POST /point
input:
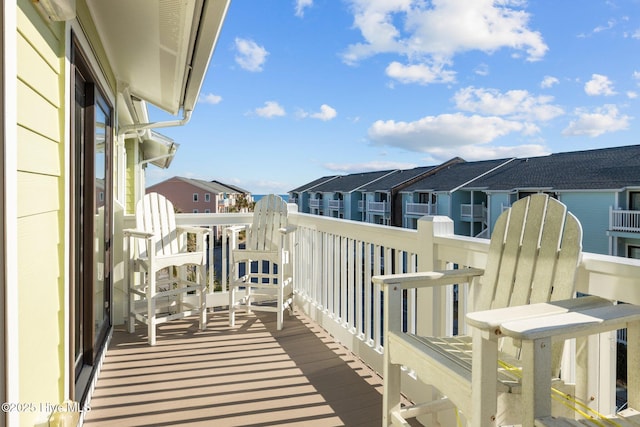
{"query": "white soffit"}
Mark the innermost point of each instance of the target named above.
(160, 49)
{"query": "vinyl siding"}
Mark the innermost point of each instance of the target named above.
(40, 115)
(592, 210)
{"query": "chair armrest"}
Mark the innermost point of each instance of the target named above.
(491, 319)
(573, 324)
(190, 229)
(428, 278)
(132, 232)
(288, 229)
(236, 228)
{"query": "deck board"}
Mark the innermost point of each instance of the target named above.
(250, 375)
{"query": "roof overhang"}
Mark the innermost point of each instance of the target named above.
(160, 49)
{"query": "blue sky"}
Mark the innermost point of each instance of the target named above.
(299, 89)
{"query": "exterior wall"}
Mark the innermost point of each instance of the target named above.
(592, 210)
(495, 203)
(41, 210)
(458, 198)
(43, 252)
(181, 195)
(353, 211)
(40, 207)
(443, 204)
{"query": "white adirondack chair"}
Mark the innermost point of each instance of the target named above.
(533, 256)
(270, 287)
(157, 246)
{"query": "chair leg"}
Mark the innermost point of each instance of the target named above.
(200, 271)
(484, 377)
(151, 309)
(132, 301)
(391, 393)
(280, 304)
(232, 310)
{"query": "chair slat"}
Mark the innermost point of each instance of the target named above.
(510, 254)
(530, 247)
(544, 279)
(488, 281)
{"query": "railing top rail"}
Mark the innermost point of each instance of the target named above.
(603, 275)
(383, 235)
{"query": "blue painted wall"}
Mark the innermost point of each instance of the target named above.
(592, 210)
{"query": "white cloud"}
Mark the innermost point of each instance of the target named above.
(250, 56)
(271, 109)
(636, 34)
(301, 5)
(367, 167)
(599, 85)
(601, 120)
(632, 94)
(326, 113)
(600, 28)
(514, 104)
(636, 76)
(209, 98)
(420, 73)
(482, 70)
(432, 33)
(445, 130)
(548, 81)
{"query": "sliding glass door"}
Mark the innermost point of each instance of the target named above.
(91, 218)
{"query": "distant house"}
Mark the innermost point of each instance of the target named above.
(302, 195)
(339, 197)
(381, 204)
(601, 187)
(199, 196)
(444, 192)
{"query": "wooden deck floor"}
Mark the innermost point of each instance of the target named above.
(250, 375)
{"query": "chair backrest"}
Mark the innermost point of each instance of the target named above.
(533, 256)
(155, 214)
(269, 215)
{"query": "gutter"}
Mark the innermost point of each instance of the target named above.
(137, 128)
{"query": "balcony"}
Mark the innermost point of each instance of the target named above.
(421, 209)
(378, 207)
(624, 221)
(336, 205)
(315, 203)
(473, 213)
(275, 378)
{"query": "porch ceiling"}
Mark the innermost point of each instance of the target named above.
(160, 49)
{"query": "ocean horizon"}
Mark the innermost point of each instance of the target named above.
(257, 197)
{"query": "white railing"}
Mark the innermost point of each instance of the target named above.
(336, 204)
(378, 207)
(624, 220)
(334, 260)
(476, 212)
(314, 203)
(420, 209)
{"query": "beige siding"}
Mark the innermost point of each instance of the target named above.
(38, 154)
(37, 114)
(130, 180)
(41, 115)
